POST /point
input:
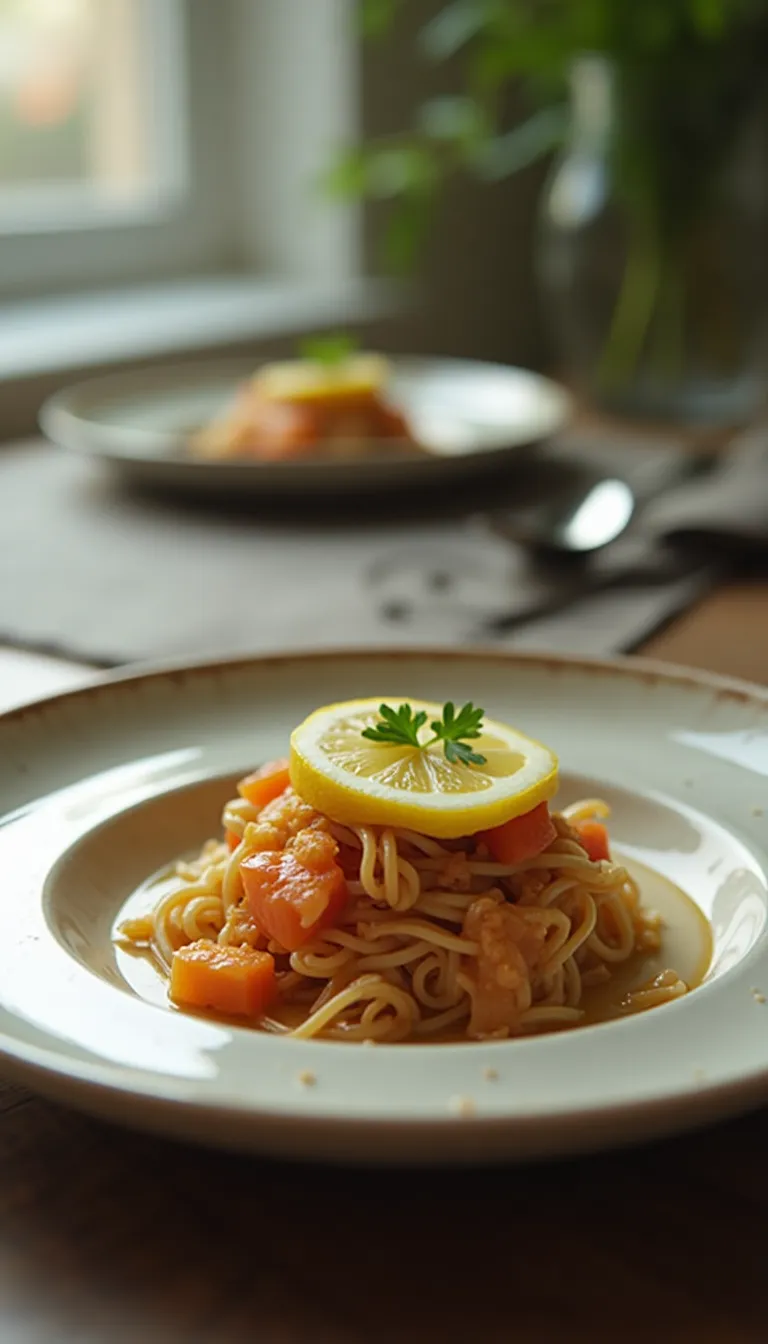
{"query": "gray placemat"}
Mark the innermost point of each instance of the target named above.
(105, 576)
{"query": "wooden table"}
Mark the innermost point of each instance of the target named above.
(112, 1236)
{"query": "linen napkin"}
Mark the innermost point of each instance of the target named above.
(727, 509)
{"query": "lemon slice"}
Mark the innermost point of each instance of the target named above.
(358, 782)
(304, 380)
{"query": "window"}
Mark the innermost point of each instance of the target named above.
(156, 139)
(83, 133)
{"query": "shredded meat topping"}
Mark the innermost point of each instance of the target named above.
(499, 977)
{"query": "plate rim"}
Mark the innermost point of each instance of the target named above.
(633, 666)
(153, 1106)
(685, 1101)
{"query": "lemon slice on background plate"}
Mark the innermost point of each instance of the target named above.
(306, 380)
(358, 782)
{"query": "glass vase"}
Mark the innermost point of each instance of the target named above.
(653, 251)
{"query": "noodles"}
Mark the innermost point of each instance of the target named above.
(432, 938)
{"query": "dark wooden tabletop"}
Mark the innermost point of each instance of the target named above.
(107, 1235)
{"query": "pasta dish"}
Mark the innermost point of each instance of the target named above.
(402, 877)
(309, 408)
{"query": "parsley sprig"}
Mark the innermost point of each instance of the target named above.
(401, 726)
(331, 349)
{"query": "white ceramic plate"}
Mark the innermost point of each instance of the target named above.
(102, 786)
(472, 417)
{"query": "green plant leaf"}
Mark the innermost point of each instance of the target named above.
(710, 17)
(518, 49)
(460, 753)
(377, 17)
(383, 170)
(460, 119)
(453, 727)
(506, 154)
(406, 232)
(400, 726)
(456, 25)
(330, 348)
(348, 176)
(395, 170)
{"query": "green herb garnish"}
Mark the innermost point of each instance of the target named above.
(453, 727)
(401, 727)
(329, 350)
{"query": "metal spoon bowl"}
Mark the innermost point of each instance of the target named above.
(588, 513)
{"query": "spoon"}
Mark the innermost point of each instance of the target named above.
(588, 514)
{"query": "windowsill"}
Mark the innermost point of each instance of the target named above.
(44, 337)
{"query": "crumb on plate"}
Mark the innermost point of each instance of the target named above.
(307, 1078)
(461, 1106)
(757, 811)
(490, 1075)
(699, 1075)
(758, 995)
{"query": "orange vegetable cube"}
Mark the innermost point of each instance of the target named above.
(521, 838)
(593, 835)
(238, 981)
(293, 893)
(265, 784)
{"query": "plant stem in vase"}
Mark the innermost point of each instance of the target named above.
(652, 255)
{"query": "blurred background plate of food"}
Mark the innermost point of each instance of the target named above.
(333, 420)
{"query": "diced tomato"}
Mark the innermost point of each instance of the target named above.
(593, 835)
(389, 423)
(238, 981)
(265, 784)
(279, 431)
(232, 840)
(293, 893)
(522, 837)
